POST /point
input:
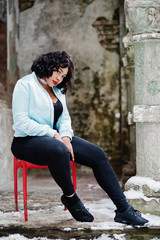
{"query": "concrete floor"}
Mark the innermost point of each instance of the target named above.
(46, 215)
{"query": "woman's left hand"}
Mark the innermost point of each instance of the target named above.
(66, 141)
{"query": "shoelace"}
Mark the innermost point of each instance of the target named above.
(138, 213)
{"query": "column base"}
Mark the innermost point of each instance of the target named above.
(143, 193)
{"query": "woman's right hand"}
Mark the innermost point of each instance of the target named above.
(58, 137)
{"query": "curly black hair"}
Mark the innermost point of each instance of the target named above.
(45, 64)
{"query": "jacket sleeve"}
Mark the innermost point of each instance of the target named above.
(21, 119)
(64, 123)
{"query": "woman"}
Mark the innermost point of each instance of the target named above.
(44, 136)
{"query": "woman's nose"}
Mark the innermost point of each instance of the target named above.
(59, 78)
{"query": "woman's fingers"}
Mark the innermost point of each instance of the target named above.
(66, 141)
(72, 153)
(58, 137)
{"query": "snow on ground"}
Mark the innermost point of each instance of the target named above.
(103, 211)
(154, 220)
(133, 194)
(102, 237)
(140, 181)
(20, 237)
(100, 210)
(107, 237)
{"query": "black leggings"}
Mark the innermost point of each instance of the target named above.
(49, 151)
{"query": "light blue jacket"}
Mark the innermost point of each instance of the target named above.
(33, 110)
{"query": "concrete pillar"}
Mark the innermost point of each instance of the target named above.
(143, 20)
(6, 132)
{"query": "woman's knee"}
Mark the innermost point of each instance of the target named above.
(60, 152)
(100, 157)
(99, 152)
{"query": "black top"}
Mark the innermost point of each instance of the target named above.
(58, 109)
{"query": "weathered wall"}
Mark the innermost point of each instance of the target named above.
(88, 31)
(6, 135)
(9, 39)
(3, 44)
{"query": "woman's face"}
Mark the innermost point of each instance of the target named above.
(57, 77)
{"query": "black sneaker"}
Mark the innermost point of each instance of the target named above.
(131, 217)
(78, 211)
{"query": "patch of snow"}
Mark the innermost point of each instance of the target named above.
(133, 194)
(93, 186)
(107, 237)
(103, 237)
(140, 181)
(119, 236)
(153, 219)
(103, 209)
(80, 228)
(155, 238)
(20, 237)
(108, 226)
(116, 237)
(105, 205)
(67, 229)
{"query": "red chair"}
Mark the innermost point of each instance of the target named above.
(25, 165)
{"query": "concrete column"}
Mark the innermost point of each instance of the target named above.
(143, 20)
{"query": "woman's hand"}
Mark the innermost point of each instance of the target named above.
(58, 137)
(66, 141)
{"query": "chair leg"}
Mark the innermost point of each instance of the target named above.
(25, 191)
(15, 183)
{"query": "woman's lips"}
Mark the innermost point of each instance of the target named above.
(55, 82)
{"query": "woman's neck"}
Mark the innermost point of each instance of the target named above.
(45, 86)
(49, 90)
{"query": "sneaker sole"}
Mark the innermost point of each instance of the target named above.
(146, 225)
(119, 220)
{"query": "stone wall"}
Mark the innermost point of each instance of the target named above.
(6, 135)
(89, 32)
(9, 74)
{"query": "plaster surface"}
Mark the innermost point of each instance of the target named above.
(6, 136)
